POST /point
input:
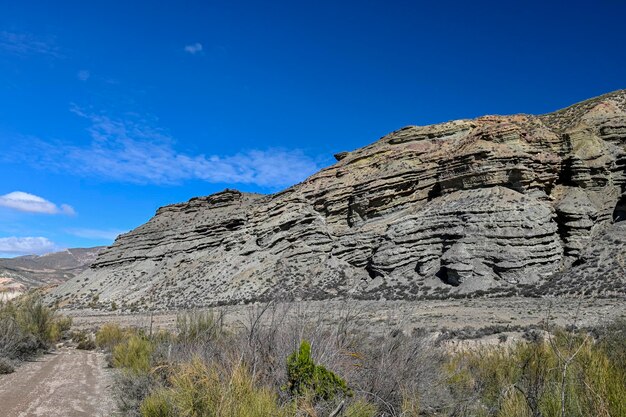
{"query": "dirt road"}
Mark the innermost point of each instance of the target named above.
(67, 383)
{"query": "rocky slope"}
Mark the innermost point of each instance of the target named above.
(22, 273)
(497, 204)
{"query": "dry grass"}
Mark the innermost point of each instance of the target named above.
(203, 369)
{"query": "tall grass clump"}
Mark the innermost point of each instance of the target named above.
(200, 389)
(110, 335)
(28, 326)
(565, 375)
(133, 354)
(196, 326)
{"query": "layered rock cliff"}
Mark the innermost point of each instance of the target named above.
(485, 206)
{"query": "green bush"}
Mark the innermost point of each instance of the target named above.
(198, 389)
(196, 326)
(111, 335)
(133, 355)
(303, 375)
(35, 318)
(157, 404)
(532, 379)
(27, 326)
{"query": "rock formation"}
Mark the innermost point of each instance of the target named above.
(485, 206)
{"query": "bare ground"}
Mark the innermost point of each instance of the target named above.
(66, 383)
(378, 317)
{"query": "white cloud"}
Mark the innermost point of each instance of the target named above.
(97, 234)
(26, 245)
(193, 48)
(21, 201)
(27, 44)
(83, 75)
(134, 151)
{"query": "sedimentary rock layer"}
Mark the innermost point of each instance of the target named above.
(491, 204)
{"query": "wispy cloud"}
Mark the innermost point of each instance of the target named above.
(96, 234)
(133, 150)
(83, 75)
(27, 44)
(194, 48)
(26, 245)
(30, 203)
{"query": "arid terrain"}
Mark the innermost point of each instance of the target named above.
(22, 273)
(515, 205)
(65, 383)
(396, 265)
(491, 316)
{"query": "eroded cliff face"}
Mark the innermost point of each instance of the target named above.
(491, 205)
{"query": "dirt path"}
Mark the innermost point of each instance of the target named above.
(67, 383)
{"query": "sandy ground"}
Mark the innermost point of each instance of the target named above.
(66, 383)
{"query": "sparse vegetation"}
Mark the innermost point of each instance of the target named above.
(27, 327)
(565, 374)
(83, 340)
(298, 367)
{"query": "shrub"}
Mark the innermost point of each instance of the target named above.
(157, 404)
(86, 344)
(133, 355)
(26, 327)
(110, 335)
(34, 317)
(11, 336)
(83, 340)
(60, 326)
(612, 341)
(568, 371)
(198, 389)
(410, 404)
(6, 367)
(304, 375)
(196, 326)
(361, 408)
(130, 389)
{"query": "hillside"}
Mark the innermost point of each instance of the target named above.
(498, 205)
(19, 274)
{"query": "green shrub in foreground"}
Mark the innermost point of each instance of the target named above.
(133, 355)
(157, 404)
(199, 389)
(27, 326)
(303, 375)
(539, 379)
(111, 335)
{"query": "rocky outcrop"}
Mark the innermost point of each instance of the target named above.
(471, 206)
(600, 271)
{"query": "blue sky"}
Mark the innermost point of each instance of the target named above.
(111, 109)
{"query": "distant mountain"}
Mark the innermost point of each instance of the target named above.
(498, 205)
(20, 274)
